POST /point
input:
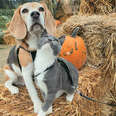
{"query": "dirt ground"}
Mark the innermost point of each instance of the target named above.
(4, 50)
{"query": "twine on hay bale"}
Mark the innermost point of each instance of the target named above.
(89, 84)
(89, 7)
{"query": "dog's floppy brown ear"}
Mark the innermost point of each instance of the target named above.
(17, 27)
(50, 24)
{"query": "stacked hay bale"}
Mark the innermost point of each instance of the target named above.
(8, 38)
(97, 31)
(89, 7)
(99, 34)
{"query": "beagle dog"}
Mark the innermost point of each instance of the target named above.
(29, 22)
(53, 75)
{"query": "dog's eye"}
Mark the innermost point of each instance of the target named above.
(41, 9)
(25, 10)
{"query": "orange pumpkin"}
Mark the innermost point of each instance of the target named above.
(74, 50)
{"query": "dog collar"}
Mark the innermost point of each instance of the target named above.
(45, 70)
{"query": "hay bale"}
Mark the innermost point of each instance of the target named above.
(89, 84)
(8, 38)
(89, 7)
(96, 31)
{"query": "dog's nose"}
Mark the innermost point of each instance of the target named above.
(35, 15)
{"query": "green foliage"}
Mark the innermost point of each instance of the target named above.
(3, 21)
(52, 5)
(5, 12)
(1, 36)
(5, 17)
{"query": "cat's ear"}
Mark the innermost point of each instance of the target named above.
(62, 39)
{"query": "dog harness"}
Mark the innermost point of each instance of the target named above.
(33, 54)
(44, 70)
(63, 64)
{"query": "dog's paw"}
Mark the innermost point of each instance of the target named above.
(49, 110)
(14, 90)
(69, 97)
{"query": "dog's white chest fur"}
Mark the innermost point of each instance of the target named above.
(44, 59)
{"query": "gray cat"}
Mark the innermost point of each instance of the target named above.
(52, 74)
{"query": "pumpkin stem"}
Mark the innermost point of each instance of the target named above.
(74, 33)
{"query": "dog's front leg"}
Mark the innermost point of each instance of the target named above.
(27, 75)
(27, 70)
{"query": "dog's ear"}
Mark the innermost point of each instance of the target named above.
(17, 27)
(50, 24)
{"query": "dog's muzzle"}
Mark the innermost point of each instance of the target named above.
(35, 15)
(36, 24)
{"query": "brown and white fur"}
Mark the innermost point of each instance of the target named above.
(27, 25)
